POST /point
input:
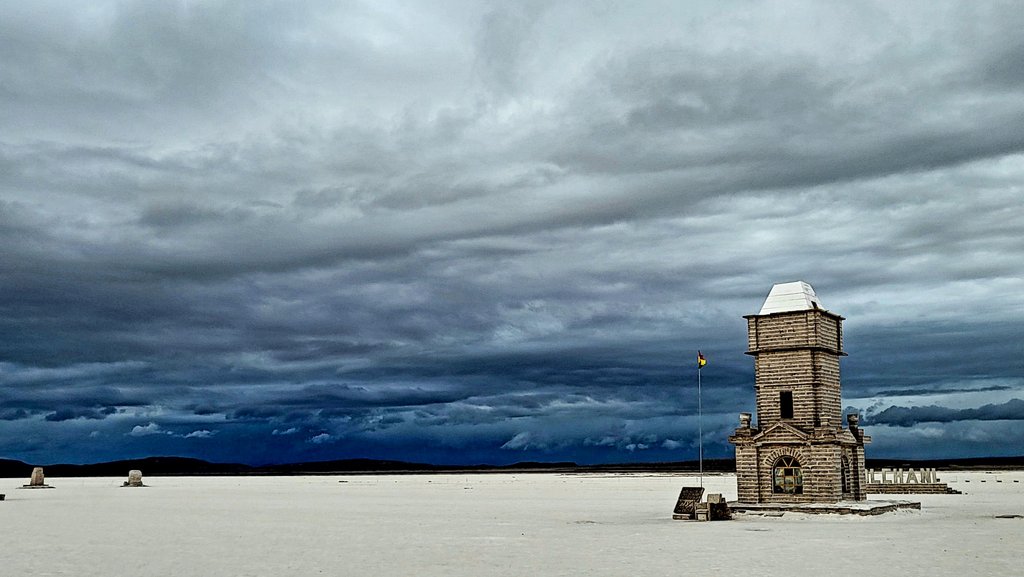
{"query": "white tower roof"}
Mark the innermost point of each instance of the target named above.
(790, 296)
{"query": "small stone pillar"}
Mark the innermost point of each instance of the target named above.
(853, 420)
(744, 420)
(134, 479)
(37, 480)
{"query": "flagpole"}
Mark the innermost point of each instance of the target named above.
(700, 429)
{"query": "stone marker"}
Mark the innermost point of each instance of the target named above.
(687, 502)
(134, 479)
(718, 509)
(37, 480)
(714, 509)
(702, 512)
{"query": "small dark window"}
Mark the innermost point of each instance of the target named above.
(786, 404)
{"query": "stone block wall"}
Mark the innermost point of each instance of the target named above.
(747, 473)
(821, 461)
(817, 476)
(797, 329)
(813, 378)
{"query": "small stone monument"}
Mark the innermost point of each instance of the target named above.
(134, 479)
(689, 506)
(686, 504)
(37, 480)
(718, 509)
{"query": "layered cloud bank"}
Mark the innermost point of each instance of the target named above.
(472, 232)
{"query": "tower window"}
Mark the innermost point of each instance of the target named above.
(787, 476)
(786, 404)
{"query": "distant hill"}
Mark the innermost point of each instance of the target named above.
(182, 466)
(972, 463)
(149, 465)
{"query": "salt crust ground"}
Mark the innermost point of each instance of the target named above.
(475, 525)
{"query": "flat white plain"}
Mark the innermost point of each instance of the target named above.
(493, 524)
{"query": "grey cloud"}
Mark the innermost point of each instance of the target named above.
(321, 439)
(501, 39)
(177, 215)
(147, 430)
(200, 434)
(1002, 67)
(523, 440)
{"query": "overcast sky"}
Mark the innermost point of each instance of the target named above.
(465, 232)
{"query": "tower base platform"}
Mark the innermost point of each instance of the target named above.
(840, 508)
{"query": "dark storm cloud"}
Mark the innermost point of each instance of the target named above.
(8, 414)
(1012, 410)
(939, 388)
(496, 230)
(68, 414)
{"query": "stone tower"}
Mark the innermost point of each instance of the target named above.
(798, 451)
